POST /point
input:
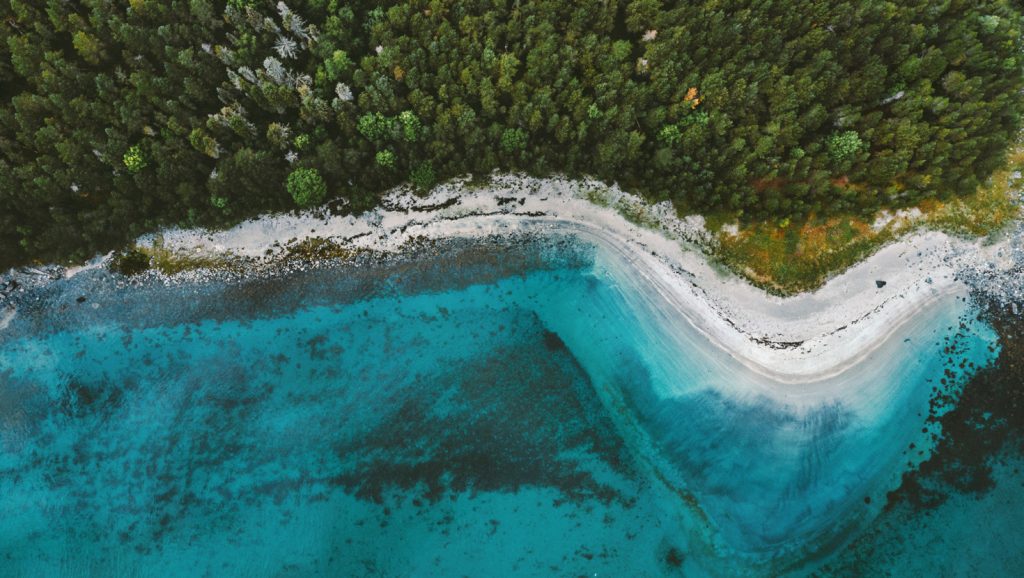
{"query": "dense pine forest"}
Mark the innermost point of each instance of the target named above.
(119, 117)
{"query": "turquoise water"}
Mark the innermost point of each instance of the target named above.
(968, 535)
(463, 415)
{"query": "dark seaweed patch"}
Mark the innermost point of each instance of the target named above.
(979, 423)
(523, 415)
(511, 426)
(674, 558)
(553, 342)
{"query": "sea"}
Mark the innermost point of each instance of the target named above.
(517, 406)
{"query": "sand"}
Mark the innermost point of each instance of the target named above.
(802, 339)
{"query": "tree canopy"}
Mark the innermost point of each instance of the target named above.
(120, 117)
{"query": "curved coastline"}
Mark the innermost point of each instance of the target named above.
(795, 341)
(818, 358)
(715, 357)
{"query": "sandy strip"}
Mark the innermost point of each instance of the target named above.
(96, 263)
(6, 316)
(800, 339)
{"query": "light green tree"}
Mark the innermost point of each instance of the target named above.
(374, 126)
(411, 125)
(87, 46)
(844, 146)
(513, 139)
(134, 159)
(306, 187)
(385, 159)
(670, 134)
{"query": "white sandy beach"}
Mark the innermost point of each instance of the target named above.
(801, 339)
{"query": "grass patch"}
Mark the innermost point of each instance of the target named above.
(318, 249)
(171, 262)
(130, 262)
(715, 222)
(141, 258)
(987, 211)
(637, 212)
(633, 210)
(599, 196)
(801, 257)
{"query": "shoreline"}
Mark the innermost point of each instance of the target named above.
(800, 339)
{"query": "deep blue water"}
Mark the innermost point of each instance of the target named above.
(492, 411)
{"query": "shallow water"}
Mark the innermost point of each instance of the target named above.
(531, 415)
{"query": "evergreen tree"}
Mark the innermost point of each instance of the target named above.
(116, 118)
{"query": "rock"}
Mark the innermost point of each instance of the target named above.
(879, 284)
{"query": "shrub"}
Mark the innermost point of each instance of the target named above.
(374, 126)
(306, 187)
(133, 159)
(337, 64)
(130, 262)
(513, 139)
(411, 125)
(302, 141)
(422, 176)
(844, 146)
(386, 159)
(670, 134)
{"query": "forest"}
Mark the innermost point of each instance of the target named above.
(121, 117)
